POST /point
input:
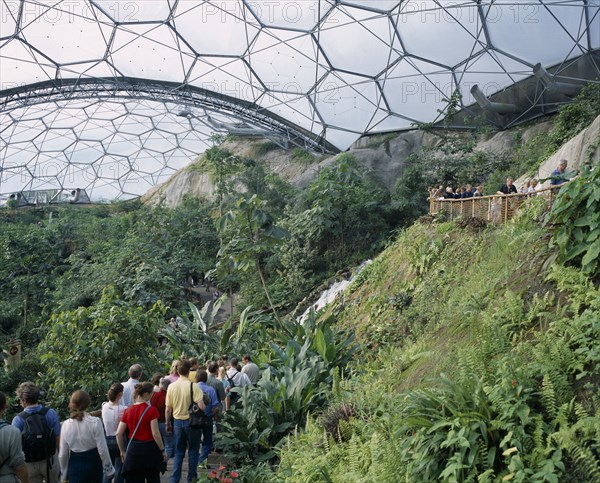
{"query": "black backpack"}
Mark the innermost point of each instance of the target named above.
(39, 440)
(233, 396)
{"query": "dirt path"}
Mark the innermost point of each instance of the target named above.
(205, 296)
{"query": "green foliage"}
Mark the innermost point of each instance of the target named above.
(340, 219)
(265, 147)
(250, 235)
(104, 340)
(378, 139)
(519, 348)
(294, 381)
(576, 211)
(194, 335)
(29, 370)
(575, 116)
(303, 156)
(28, 253)
(269, 187)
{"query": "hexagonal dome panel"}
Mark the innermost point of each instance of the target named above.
(216, 28)
(291, 15)
(66, 32)
(288, 59)
(116, 95)
(356, 40)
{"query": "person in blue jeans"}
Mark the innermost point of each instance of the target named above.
(178, 400)
(211, 412)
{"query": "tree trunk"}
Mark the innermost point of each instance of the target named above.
(264, 285)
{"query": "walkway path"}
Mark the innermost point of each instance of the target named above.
(214, 461)
(204, 296)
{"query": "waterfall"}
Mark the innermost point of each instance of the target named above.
(329, 295)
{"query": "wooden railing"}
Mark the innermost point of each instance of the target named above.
(494, 209)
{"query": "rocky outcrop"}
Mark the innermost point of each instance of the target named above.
(185, 181)
(384, 155)
(583, 148)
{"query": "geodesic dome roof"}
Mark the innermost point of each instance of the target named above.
(92, 91)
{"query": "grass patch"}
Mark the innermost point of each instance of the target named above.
(378, 140)
(264, 148)
(303, 156)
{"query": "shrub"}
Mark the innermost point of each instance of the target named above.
(576, 212)
(90, 348)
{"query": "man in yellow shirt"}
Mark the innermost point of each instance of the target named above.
(177, 404)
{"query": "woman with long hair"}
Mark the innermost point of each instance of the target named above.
(144, 454)
(83, 454)
(173, 375)
(112, 411)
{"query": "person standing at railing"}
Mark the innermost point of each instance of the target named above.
(478, 192)
(534, 186)
(467, 192)
(557, 178)
(449, 194)
(507, 188)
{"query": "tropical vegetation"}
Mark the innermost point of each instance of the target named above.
(463, 352)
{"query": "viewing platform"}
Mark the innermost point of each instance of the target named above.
(494, 209)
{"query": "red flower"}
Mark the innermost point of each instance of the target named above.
(234, 474)
(514, 383)
(221, 468)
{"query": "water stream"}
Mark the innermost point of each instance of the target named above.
(329, 295)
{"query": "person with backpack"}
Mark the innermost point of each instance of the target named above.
(40, 434)
(236, 378)
(12, 461)
(211, 403)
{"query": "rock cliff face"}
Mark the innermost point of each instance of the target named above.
(583, 148)
(385, 155)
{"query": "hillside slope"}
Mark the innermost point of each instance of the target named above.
(480, 363)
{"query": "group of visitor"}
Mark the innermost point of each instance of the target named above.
(531, 187)
(448, 193)
(133, 435)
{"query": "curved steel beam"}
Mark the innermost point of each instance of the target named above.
(165, 92)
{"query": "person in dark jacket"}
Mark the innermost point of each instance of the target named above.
(507, 188)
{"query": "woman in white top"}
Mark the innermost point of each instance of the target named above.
(533, 186)
(112, 411)
(83, 454)
(525, 188)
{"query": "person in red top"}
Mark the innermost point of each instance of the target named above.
(145, 452)
(158, 401)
